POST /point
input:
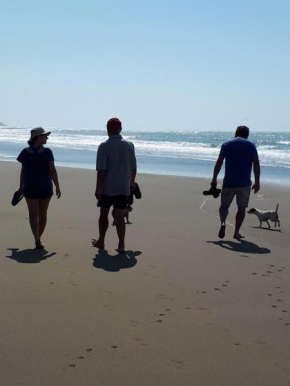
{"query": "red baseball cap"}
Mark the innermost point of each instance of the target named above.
(114, 123)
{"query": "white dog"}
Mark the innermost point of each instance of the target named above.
(265, 215)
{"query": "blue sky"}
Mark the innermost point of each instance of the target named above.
(157, 65)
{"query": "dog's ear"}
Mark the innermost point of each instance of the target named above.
(252, 210)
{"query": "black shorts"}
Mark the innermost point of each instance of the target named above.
(118, 202)
(38, 193)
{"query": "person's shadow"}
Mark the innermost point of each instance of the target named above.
(268, 229)
(243, 246)
(103, 260)
(29, 256)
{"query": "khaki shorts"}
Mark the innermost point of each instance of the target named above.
(242, 196)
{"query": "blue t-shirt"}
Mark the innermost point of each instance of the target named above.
(239, 155)
(36, 168)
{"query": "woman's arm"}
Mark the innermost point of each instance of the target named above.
(21, 185)
(53, 173)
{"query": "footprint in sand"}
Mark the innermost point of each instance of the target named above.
(109, 293)
(163, 297)
(134, 323)
(177, 362)
(72, 283)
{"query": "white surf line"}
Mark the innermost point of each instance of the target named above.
(259, 198)
(212, 214)
(203, 204)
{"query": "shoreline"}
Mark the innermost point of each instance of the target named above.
(263, 182)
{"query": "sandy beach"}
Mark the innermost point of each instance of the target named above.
(181, 308)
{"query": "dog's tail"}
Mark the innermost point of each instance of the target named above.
(277, 207)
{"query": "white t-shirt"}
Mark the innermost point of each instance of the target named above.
(117, 157)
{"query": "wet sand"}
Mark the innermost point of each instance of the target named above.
(180, 308)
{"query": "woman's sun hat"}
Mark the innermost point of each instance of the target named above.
(38, 131)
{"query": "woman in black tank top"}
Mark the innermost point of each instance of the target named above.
(37, 174)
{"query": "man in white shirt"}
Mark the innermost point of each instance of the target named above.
(116, 172)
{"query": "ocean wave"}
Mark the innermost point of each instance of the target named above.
(8, 156)
(283, 142)
(272, 147)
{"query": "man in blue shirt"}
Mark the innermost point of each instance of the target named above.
(240, 155)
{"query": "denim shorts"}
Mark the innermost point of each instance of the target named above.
(38, 193)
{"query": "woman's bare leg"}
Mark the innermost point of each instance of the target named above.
(33, 210)
(43, 206)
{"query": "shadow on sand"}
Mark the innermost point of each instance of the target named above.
(117, 262)
(268, 229)
(241, 246)
(29, 256)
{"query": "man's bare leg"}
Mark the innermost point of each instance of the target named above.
(121, 229)
(103, 227)
(240, 216)
(223, 216)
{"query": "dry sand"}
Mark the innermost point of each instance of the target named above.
(182, 308)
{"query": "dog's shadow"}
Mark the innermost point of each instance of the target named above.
(29, 256)
(114, 263)
(267, 229)
(241, 246)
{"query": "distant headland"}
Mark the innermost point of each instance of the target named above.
(2, 124)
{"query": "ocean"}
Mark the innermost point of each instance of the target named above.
(178, 153)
